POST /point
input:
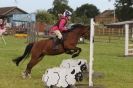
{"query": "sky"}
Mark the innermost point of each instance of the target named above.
(33, 5)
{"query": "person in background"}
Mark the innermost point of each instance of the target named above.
(2, 26)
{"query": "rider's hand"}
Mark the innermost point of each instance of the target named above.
(65, 29)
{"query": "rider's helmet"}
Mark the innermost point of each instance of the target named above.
(67, 13)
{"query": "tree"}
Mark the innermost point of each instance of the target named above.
(56, 2)
(59, 7)
(124, 9)
(86, 11)
(43, 16)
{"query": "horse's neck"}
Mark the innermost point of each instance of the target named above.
(74, 35)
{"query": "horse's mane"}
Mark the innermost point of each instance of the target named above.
(76, 26)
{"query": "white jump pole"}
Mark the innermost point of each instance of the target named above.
(91, 52)
(126, 39)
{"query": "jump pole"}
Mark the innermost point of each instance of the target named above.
(91, 53)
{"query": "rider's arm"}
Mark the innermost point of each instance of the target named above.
(62, 25)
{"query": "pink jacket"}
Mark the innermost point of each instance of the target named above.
(60, 25)
(2, 26)
(2, 29)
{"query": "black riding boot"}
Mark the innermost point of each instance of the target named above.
(57, 41)
(61, 41)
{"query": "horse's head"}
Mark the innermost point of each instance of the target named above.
(81, 30)
(85, 31)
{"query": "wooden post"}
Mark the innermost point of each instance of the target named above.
(132, 33)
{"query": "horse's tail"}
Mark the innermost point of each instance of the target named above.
(25, 54)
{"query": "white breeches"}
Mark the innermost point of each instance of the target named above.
(58, 33)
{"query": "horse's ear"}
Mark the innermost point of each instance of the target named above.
(73, 71)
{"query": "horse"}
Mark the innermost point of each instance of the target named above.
(45, 47)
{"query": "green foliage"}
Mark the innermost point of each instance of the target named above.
(124, 9)
(86, 11)
(59, 9)
(56, 2)
(81, 15)
(43, 16)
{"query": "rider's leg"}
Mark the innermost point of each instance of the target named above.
(59, 35)
(58, 39)
(55, 42)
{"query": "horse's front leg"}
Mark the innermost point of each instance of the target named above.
(77, 51)
(69, 51)
(74, 52)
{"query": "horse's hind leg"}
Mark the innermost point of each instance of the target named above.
(34, 60)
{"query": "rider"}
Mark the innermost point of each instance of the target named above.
(60, 26)
(2, 26)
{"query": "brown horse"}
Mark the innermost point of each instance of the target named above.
(45, 47)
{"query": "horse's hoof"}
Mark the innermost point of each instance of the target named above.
(74, 55)
(26, 75)
(15, 62)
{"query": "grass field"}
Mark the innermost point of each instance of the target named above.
(109, 60)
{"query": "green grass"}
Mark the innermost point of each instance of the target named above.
(109, 60)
